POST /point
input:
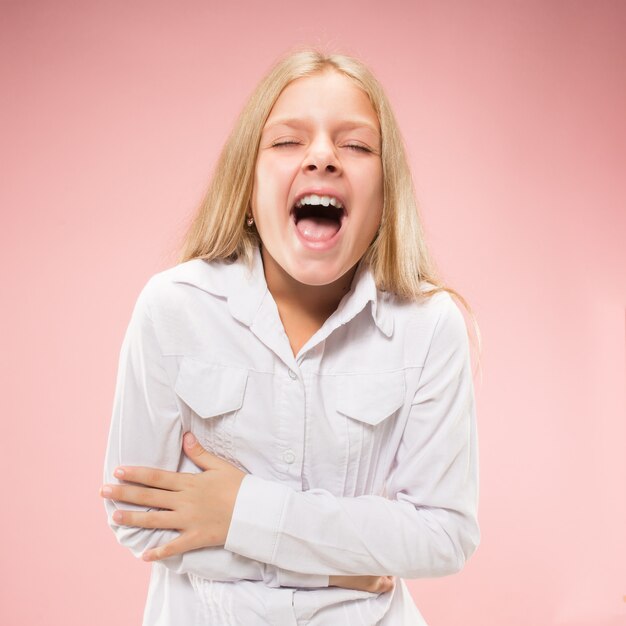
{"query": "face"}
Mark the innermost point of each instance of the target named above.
(322, 138)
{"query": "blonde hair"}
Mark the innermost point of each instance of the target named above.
(398, 256)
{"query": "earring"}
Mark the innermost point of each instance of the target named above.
(250, 220)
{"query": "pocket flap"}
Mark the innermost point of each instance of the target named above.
(210, 389)
(370, 398)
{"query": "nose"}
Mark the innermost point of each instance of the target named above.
(322, 156)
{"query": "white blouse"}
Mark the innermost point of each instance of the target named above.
(361, 451)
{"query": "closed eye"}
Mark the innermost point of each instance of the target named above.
(296, 143)
(285, 143)
(357, 147)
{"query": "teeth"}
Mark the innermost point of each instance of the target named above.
(324, 200)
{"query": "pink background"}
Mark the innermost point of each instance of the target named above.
(113, 114)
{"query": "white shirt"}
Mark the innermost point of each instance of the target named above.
(361, 451)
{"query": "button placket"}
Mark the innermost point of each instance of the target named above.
(289, 455)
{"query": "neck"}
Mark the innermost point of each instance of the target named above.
(313, 302)
(303, 309)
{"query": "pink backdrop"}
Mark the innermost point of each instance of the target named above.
(513, 114)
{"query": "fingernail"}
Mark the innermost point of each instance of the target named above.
(119, 472)
(189, 439)
(106, 490)
(117, 516)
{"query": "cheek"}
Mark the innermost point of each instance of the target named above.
(271, 182)
(374, 184)
(261, 191)
(370, 179)
(374, 201)
(378, 176)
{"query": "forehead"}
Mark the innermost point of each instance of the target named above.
(327, 98)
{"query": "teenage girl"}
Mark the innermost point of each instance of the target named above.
(294, 427)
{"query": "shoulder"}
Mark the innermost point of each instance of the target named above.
(185, 280)
(428, 311)
(435, 318)
(449, 334)
(447, 312)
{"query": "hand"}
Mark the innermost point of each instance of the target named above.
(374, 584)
(199, 505)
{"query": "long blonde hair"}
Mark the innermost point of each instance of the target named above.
(398, 256)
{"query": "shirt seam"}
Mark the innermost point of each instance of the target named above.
(430, 345)
(173, 394)
(278, 529)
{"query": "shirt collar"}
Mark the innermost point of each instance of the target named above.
(363, 291)
(245, 288)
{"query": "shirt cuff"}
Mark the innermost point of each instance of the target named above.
(257, 518)
(255, 526)
(287, 578)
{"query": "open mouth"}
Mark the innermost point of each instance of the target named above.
(316, 222)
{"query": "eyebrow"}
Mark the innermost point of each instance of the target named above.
(295, 122)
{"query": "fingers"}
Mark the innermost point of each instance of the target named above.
(153, 477)
(142, 496)
(177, 546)
(199, 455)
(167, 520)
(372, 584)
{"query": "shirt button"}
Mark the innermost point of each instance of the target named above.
(289, 456)
(292, 375)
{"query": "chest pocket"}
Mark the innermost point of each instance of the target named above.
(215, 394)
(370, 398)
(367, 405)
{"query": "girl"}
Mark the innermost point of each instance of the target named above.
(319, 368)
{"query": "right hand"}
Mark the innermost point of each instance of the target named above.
(373, 584)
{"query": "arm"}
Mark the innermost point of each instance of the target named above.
(146, 430)
(426, 528)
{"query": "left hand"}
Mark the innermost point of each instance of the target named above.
(199, 505)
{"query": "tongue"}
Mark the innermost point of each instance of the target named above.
(317, 228)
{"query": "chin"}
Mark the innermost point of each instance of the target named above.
(317, 276)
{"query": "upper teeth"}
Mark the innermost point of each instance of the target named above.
(315, 199)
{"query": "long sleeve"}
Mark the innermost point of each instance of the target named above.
(426, 526)
(146, 430)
